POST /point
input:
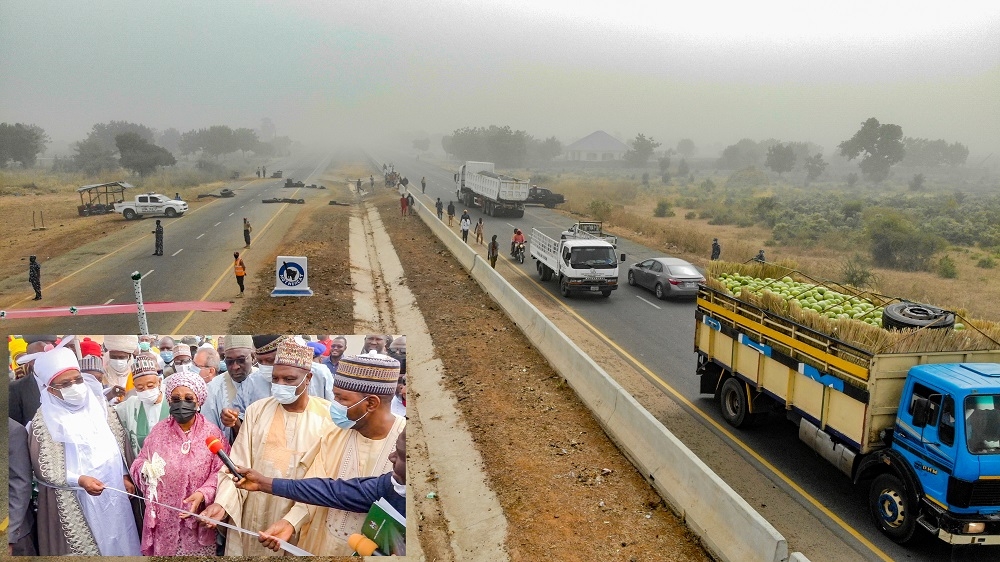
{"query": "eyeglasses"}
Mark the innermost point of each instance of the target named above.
(178, 400)
(178, 361)
(242, 360)
(67, 384)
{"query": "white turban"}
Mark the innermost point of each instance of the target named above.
(125, 343)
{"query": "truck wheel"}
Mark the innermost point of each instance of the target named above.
(170, 212)
(129, 214)
(903, 315)
(735, 403)
(564, 287)
(549, 205)
(605, 294)
(893, 508)
(546, 273)
(519, 214)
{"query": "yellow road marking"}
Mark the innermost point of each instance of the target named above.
(106, 256)
(680, 397)
(3, 526)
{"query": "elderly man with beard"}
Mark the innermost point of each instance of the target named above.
(361, 446)
(231, 393)
(279, 439)
(321, 384)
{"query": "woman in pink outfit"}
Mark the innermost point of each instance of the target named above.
(175, 468)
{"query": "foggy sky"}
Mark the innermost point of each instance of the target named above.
(333, 72)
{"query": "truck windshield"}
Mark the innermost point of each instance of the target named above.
(598, 258)
(982, 421)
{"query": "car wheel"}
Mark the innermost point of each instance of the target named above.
(170, 212)
(129, 214)
(892, 507)
(903, 315)
(735, 403)
(659, 292)
(631, 279)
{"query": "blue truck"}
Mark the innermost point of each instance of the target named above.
(920, 428)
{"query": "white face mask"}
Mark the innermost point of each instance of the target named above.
(149, 396)
(120, 366)
(285, 394)
(266, 370)
(75, 395)
(399, 488)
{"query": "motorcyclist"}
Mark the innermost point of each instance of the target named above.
(518, 238)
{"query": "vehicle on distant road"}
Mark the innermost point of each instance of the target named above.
(541, 196)
(589, 229)
(477, 185)
(666, 277)
(154, 204)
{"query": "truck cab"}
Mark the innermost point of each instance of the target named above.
(947, 441)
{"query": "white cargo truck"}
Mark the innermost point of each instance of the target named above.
(478, 185)
(581, 265)
(154, 204)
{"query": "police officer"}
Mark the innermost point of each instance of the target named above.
(35, 277)
(159, 239)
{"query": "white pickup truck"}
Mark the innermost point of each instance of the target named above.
(592, 229)
(151, 204)
(581, 265)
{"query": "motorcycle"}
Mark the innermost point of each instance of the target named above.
(519, 252)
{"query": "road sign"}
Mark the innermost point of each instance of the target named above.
(291, 277)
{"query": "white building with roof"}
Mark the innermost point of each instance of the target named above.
(596, 147)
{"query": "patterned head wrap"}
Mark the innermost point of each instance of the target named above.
(370, 373)
(182, 349)
(239, 342)
(293, 355)
(190, 380)
(267, 343)
(145, 364)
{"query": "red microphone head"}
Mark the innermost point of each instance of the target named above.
(214, 444)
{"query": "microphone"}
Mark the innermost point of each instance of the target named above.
(215, 446)
(363, 545)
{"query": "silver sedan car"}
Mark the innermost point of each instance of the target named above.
(666, 277)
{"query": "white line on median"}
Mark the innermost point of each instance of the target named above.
(177, 252)
(217, 224)
(109, 301)
(148, 272)
(231, 214)
(647, 302)
(199, 236)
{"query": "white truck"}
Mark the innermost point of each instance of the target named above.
(478, 185)
(151, 204)
(581, 265)
(589, 229)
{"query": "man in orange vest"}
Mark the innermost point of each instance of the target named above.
(240, 269)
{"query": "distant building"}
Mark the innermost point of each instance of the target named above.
(596, 147)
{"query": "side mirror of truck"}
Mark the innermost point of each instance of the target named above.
(921, 411)
(623, 258)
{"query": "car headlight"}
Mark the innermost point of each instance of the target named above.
(973, 528)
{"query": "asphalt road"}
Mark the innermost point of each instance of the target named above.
(660, 335)
(197, 263)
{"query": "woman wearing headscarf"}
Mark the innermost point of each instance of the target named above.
(176, 468)
(77, 449)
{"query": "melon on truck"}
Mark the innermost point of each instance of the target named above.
(914, 413)
(478, 185)
(154, 204)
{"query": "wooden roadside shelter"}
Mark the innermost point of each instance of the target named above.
(101, 197)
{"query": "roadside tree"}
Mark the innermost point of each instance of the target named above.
(815, 166)
(879, 146)
(780, 158)
(140, 155)
(21, 143)
(641, 150)
(686, 148)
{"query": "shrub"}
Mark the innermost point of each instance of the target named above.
(645, 178)
(747, 178)
(857, 271)
(665, 178)
(663, 209)
(946, 268)
(986, 263)
(690, 215)
(601, 209)
(708, 185)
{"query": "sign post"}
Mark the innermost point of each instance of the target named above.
(291, 277)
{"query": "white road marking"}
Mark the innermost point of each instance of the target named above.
(199, 236)
(148, 272)
(109, 301)
(217, 224)
(647, 302)
(231, 214)
(177, 252)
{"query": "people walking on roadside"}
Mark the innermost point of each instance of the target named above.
(493, 251)
(240, 269)
(465, 223)
(258, 172)
(158, 249)
(479, 231)
(716, 249)
(371, 182)
(451, 212)
(247, 229)
(403, 204)
(411, 204)
(423, 184)
(263, 172)
(35, 275)
(440, 208)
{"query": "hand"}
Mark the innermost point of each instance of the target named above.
(214, 511)
(252, 481)
(92, 485)
(230, 417)
(191, 503)
(129, 486)
(281, 530)
(117, 392)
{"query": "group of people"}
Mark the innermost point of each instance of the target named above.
(262, 171)
(115, 433)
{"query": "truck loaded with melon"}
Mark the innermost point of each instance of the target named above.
(896, 395)
(478, 185)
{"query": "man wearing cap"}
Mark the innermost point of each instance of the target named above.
(321, 384)
(141, 412)
(77, 447)
(360, 446)
(231, 393)
(121, 350)
(279, 439)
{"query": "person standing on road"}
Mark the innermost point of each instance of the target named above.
(371, 182)
(479, 231)
(258, 172)
(423, 184)
(716, 249)
(440, 208)
(247, 229)
(35, 275)
(158, 250)
(493, 252)
(402, 205)
(358, 185)
(465, 224)
(451, 212)
(240, 269)
(263, 172)
(411, 204)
